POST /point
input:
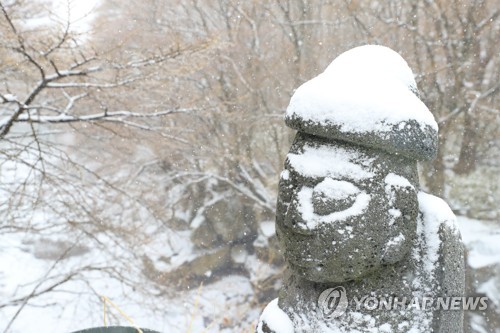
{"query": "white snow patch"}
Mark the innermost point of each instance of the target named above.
(482, 239)
(478, 323)
(435, 212)
(275, 318)
(395, 213)
(373, 59)
(268, 228)
(394, 182)
(385, 328)
(396, 241)
(305, 207)
(490, 289)
(372, 82)
(397, 181)
(336, 189)
(10, 98)
(260, 241)
(334, 162)
(76, 305)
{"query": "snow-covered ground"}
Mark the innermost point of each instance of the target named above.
(53, 274)
(482, 239)
(74, 305)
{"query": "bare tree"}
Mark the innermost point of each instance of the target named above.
(451, 44)
(70, 112)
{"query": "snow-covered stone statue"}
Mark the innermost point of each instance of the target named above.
(366, 250)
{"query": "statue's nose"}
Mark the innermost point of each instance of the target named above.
(332, 196)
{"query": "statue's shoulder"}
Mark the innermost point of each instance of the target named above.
(443, 256)
(437, 227)
(436, 215)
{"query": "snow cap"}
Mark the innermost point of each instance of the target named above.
(367, 96)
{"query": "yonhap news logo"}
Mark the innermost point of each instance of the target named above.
(333, 303)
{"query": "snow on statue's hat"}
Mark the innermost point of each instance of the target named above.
(367, 96)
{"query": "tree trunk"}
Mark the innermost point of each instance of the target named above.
(434, 171)
(468, 150)
(435, 175)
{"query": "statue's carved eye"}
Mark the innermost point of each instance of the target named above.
(329, 201)
(331, 196)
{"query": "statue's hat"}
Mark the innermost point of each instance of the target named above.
(367, 96)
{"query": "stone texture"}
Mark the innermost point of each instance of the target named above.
(350, 213)
(352, 247)
(408, 138)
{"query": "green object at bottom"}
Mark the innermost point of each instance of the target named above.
(115, 329)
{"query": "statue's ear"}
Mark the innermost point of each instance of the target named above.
(402, 197)
(406, 202)
(403, 212)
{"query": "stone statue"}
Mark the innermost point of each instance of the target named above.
(366, 250)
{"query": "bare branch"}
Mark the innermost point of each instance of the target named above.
(91, 85)
(118, 116)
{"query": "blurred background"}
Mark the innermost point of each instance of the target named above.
(141, 144)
